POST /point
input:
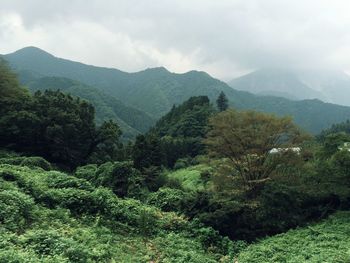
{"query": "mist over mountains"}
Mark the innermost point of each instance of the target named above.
(137, 100)
(326, 85)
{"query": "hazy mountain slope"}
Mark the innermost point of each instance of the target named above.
(132, 121)
(335, 85)
(276, 82)
(326, 85)
(154, 91)
(39, 61)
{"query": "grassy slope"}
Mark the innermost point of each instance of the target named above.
(58, 230)
(190, 177)
(328, 241)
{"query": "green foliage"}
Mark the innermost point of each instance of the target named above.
(155, 91)
(121, 177)
(86, 172)
(31, 161)
(106, 145)
(132, 121)
(343, 127)
(332, 142)
(16, 210)
(179, 133)
(169, 199)
(245, 139)
(53, 125)
(328, 241)
(147, 152)
(11, 94)
(65, 219)
(189, 119)
(189, 178)
(222, 102)
(36, 162)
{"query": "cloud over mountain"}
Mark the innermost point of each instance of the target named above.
(225, 38)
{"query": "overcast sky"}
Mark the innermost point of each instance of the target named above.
(224, 38)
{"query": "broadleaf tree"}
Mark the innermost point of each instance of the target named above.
(245, 139)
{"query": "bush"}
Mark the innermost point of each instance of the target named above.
(78, 201)
(121, 177)
(33, 162)
(181, 163)
(86, 172)
(46, 242)
(60, 180)
(12, 160)
(30, 162)
(16, 209)
(169, 199)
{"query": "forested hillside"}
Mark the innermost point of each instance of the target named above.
(202, 185)
(131, 120)
(155, 91)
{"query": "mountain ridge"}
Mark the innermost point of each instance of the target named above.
(327, 85)
(154, 91)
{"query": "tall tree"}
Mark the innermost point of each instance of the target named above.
(222, 102)
(147, 152)
(245, 140)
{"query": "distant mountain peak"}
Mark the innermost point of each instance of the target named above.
(156, 69)
(31, 50)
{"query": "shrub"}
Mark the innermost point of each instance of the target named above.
(46, 242)
(12, 160)
(181, 163)
(78, 201)
(121, 177)
(169, 199)
(57, 180)
(86, 172)
(33, 162)
(16, 209)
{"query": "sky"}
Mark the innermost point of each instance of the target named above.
(225, 38)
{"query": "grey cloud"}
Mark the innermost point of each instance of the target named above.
(223, 37)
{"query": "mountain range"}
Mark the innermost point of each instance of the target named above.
(137, 100)
(327, 85)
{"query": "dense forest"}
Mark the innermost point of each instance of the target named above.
(206, 183)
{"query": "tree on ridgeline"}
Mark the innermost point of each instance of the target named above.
(222, 102)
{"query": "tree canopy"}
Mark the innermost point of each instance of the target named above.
(246, 138)
(52, 124)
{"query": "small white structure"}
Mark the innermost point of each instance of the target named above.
(346, 147)
(296, 150)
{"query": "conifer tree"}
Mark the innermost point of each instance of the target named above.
(222, 102)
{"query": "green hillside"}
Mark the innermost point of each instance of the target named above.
(50, 216)
(154, 91)
(131, 120)
(328, 241)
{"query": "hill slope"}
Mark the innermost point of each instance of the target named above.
(328, 241)
(154, 91)
(131, 120)
(49, 216)
(281, 83)
(326, 85)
